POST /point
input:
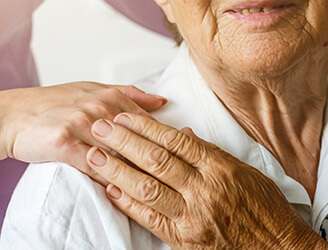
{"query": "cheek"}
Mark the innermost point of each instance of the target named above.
(195, 18)
(318, 20)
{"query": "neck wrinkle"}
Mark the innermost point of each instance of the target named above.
(283, 113)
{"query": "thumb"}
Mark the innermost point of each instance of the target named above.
(148, 102)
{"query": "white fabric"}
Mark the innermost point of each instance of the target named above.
(56, 207)
(75, 40)
(88, 40)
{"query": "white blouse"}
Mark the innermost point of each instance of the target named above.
(55, 206)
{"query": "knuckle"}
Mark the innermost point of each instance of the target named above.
(150, 191)
(229, 165)
(80, 119)
(95, 105)
(131, 88)
(233, 171)
(99, 108)
(172, 139)
(120, 141)
(62, 137)
(158, 160)
(114, 93)
(132, 205)
(144, 124)
(114, 171)
(204, 156)
(152, 219)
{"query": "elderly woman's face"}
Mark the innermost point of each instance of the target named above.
(253, 36)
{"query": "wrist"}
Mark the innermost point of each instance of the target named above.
(6, 109)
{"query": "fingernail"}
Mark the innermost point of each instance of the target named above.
(98, 158)
(114, 192)
(163, 99)
(123, 120)
(102, 128)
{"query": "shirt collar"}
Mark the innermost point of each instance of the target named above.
(320, 204)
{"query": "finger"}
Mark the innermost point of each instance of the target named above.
(146, 101)
(147, 155)
(158, 224)
(175, 141)
(140, 186)
(75, 156)
(79, 126)
(111, 101)
(117, 102)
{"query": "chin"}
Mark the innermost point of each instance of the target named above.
(266, 59)
(258, 67)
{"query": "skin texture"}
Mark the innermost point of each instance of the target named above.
(177, 201)
(272, 78)
(54, 123)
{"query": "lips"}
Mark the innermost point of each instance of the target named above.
(254, 8)
(246, 11)
(261, 14)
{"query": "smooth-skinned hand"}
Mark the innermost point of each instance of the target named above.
(190, 193)
(54, 123)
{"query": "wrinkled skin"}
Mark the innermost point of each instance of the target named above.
(271, 76)
(196, 196)
(216, 39)
(54, 123)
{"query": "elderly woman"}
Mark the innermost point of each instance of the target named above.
(251, 77)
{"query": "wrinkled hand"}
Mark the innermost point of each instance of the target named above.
(195, 196)
(54, 123)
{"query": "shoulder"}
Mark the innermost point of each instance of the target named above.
(57, 207)
(44, 207)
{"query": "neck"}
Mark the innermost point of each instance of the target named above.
(284, 113)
